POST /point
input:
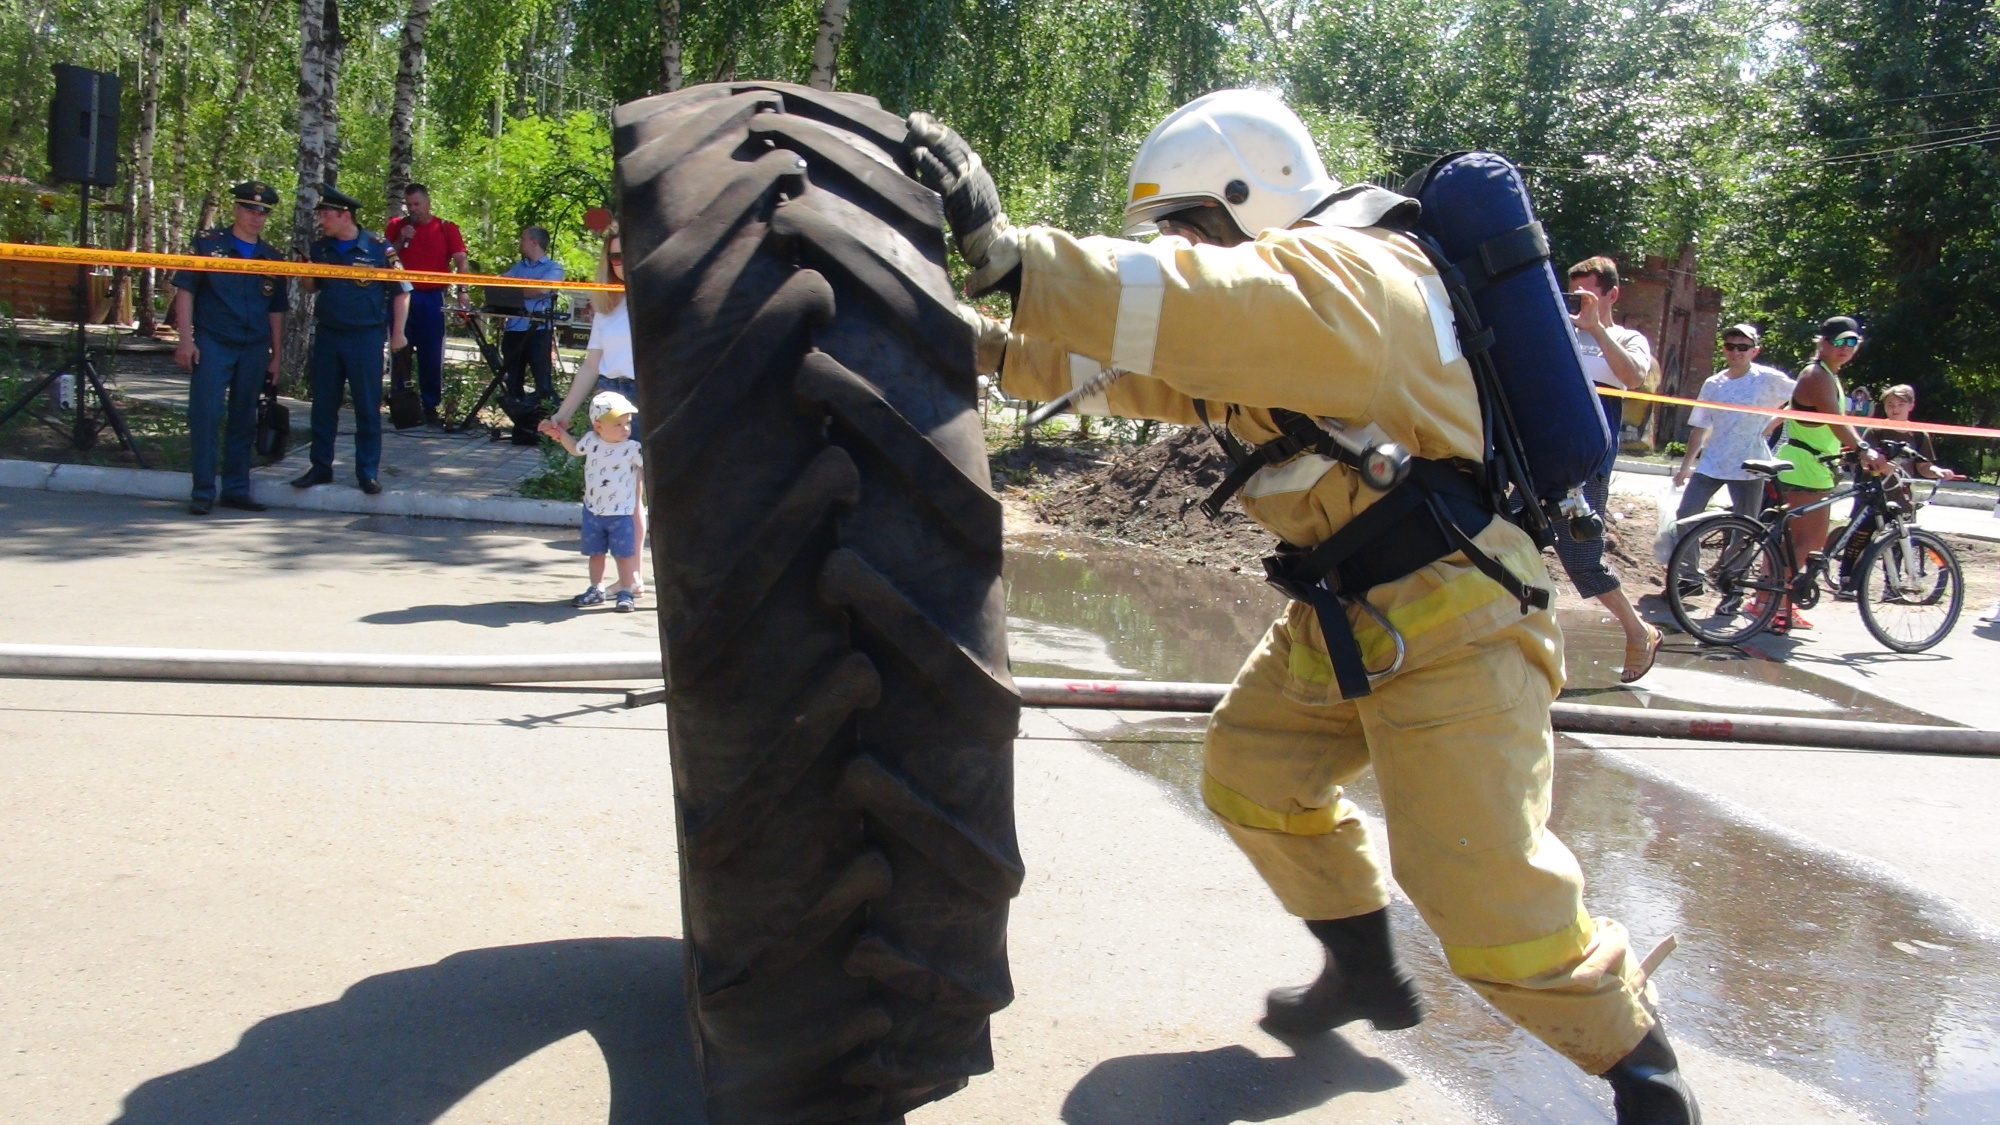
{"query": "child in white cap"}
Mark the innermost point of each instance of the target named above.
(611, 464)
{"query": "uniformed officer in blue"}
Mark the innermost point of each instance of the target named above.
(231, 328)
(347, 343)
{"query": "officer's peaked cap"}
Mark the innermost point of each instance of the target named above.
(255, 193)
(333, 199)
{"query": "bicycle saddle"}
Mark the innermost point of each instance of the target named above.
(1770, 468)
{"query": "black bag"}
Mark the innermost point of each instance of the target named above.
(406, 406)
(274, 425)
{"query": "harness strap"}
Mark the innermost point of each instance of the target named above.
(1298, 434)
(1233, 449)
(1503, 254)
(1411, 527)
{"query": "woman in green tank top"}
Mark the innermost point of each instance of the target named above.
(1808, 480)
(1804, 444)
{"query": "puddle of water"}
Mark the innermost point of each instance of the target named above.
(1171, 622)
(1690, 677)
(1037, 644)
(1790, 958)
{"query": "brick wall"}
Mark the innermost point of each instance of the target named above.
(1679, 318)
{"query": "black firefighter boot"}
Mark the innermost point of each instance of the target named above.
(1362, 980)
(1647, 1088)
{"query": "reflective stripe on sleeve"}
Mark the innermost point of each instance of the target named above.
(1082, 369)
(1141, 291)
(1296, 475)
(1524, 960)
(1237, 809)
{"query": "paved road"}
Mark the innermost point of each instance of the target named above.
(234, 903)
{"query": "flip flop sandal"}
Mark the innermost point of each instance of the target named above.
(1643, 660)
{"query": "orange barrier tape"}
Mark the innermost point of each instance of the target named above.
(1855, 420)
(92, 256)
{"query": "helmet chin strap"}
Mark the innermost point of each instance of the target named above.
(1211, 222)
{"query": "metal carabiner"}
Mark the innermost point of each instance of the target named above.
(1395, 635)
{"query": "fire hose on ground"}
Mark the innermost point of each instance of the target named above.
(392, 670)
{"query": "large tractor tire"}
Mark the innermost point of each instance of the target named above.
(827, 553)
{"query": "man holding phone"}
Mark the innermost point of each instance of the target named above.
(1613, 356)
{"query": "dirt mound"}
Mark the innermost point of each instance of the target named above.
(1151, 495)
(1145, 494)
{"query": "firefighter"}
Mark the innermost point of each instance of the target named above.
(1282, 308)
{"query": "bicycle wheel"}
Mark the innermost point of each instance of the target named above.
(1724, 581)
(1911, 589)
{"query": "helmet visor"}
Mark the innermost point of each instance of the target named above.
(1142, 215)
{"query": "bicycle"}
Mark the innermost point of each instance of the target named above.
(1729, 575)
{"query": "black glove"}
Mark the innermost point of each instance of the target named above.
(944, 163)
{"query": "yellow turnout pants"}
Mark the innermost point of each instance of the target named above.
(1462, 751)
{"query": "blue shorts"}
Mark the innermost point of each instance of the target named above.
(609, 535)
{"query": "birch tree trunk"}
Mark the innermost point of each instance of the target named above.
(151, 49)
(177, 211)
(403, 112)
(246, 68)
(336, 50)
(826, 48)
(670, 44)
(313, 80)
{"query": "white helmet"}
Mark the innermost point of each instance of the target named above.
(1242, 148)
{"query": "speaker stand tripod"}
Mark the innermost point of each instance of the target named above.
(84, 432)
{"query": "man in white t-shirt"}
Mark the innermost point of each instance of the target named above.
(1618, 357)
(1719, 441)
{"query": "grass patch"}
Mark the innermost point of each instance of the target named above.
(42, 432)
(560, 476)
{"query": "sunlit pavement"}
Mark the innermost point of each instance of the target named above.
(258, 902)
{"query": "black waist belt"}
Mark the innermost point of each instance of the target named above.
(1433, 514)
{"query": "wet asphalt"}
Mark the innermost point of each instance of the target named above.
(1793, 956)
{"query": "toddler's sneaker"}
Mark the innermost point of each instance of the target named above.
(626, 602)
(592, 596)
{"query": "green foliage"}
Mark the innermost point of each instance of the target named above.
(1823, 155)
(540, 170)
(1676, 449)
(560, 476)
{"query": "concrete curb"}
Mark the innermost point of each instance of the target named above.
(154, 484)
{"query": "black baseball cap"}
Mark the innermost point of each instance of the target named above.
(1838, 326)
(255, 194)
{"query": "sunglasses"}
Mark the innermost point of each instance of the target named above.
(1848, 341)
(1737, 346)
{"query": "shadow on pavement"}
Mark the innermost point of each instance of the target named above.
(493, 615)
(406, 1046)
(1227, 1084)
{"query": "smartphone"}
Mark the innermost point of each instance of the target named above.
(1574, 302)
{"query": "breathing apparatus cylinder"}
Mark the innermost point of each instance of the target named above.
(1476, 209)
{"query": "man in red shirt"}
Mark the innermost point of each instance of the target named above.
(426, 242)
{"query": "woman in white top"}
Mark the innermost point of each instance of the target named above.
(607, 366)
(607, 359)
